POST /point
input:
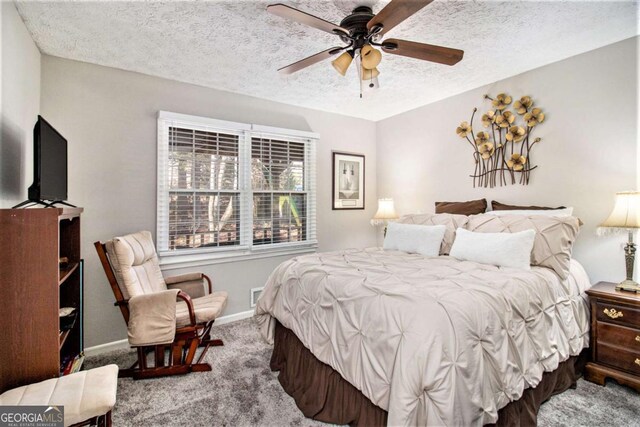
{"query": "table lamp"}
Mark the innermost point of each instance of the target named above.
(385, 212)
(626, 216)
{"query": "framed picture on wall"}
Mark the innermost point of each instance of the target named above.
(348, 181)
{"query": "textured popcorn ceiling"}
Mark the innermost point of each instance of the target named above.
(237, 46)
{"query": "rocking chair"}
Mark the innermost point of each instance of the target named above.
(174, 313)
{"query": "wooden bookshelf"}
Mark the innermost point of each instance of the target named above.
(63, 337)
(66, 272)
(33, 290)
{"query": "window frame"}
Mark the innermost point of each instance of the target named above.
(246, 249)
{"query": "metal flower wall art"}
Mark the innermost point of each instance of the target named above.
(502, 151)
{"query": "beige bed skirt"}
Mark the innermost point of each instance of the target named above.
(322, 394)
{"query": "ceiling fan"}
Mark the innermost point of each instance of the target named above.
(362, 30)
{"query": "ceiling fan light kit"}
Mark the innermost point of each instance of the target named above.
(368, 78)
(369, 74)
(362, 31)
(342, 62)
(370, 57)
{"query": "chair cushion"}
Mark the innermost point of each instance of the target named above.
(84, 395)
(207, 308)
(185, 277)
(134, 260)
(191, 283)
(152, 318)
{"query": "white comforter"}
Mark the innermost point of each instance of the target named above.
(434, 341)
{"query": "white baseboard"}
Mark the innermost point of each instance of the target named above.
(233, 317)
(106, 348)
(121, 344)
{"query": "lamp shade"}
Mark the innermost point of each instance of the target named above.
(626, 212)
(370, 57)
(386, 210)
(342, 62)
(369, 74)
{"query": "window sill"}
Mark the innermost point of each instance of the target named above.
(170, 261)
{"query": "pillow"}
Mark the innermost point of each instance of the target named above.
(529, 212)
(501, 249)
(497, 206)
(472, 207)
(422, 239)
(450, 221)
(554, 236)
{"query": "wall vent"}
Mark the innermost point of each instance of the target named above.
(255, 294)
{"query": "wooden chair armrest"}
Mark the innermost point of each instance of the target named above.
(205, 277)
(187, 299)
(123, 302)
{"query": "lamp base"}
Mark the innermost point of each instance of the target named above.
(628, 286)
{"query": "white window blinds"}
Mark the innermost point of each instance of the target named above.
(281, 182)
(232, 186)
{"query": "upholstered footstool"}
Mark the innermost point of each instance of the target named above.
(87, 396)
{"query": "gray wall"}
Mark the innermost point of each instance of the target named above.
(109, 117)
(588, 150)
(19, 107)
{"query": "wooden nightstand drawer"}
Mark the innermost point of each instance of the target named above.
(621, 336)
(615, 335)
(619, 358)
(617, 313)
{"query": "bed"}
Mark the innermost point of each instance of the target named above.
(426, 340)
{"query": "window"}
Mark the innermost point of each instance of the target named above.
(226, 186)
(279, 196)
(203, 189)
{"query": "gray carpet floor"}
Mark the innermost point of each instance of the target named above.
(241, 390)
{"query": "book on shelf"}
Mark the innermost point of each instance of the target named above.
(65, 366)
(71, 365)
(77, 363)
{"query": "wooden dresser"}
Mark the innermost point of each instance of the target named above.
(615, 336)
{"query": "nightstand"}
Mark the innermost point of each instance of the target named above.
(615, 336)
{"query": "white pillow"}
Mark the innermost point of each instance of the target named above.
(501, 249)
(422, 239)
(529, 212)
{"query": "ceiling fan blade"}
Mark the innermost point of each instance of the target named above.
(395, 12)
(287, 12)
(426, 52)
(313, 59)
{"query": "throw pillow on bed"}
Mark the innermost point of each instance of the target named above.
(497, 206)
(554, 236)
(450, 221)
(541, 212)
(471, 207)
(421, 239)
(501, 249)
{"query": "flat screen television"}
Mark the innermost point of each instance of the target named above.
(49, 164)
